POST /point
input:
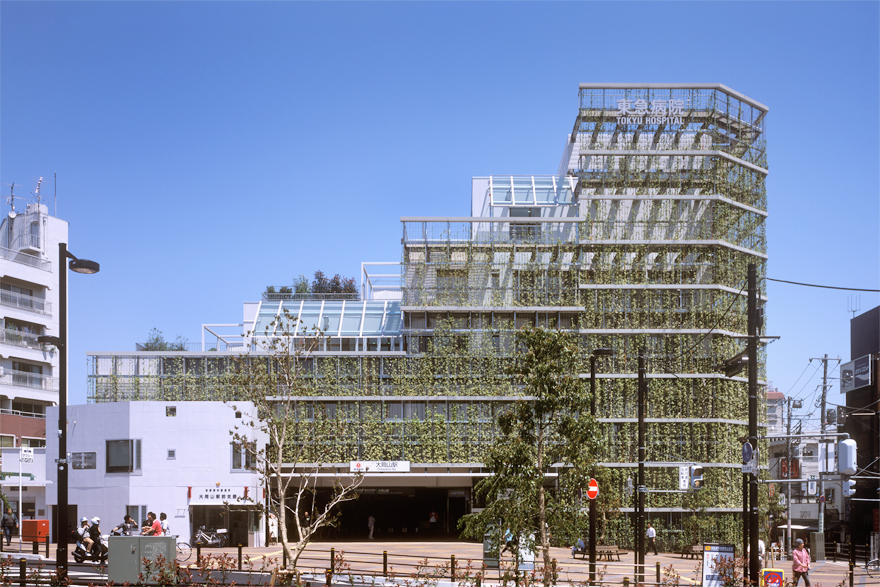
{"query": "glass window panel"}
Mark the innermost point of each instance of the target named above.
(501, 193)
(266, 315)
(148, 365)
(351, 321)
(332, 315)
(309, 318)
(544, 190)
(289, 309)
(373, 318)
(522, 190)
(392, 322)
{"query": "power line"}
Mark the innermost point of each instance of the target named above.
(822, 286)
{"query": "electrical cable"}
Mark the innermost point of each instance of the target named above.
(822, 286)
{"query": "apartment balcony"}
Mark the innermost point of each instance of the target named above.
(29, 380)
(25, 259)
(21, 339)
(25, 302)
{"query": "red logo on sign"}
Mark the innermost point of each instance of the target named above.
(593, 489)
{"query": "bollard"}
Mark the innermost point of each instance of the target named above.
(22, 572)
(626, 582)
(35, 547)
(329, 574)
(452, 566)
(332, 560)
(384, 563)
(239, 556)
(850, 575)
(47, 547)
(657, 569)
(834, 552)
(198, 554)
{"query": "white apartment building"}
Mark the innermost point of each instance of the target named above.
(29, 308)
(164, 456)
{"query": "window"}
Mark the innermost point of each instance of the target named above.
(33, 442)
(172, 454)
(170, 411)
(7, 441)
(241, 457)
(123, 456)
(138, 513)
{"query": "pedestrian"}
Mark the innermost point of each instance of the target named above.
(651, 533)
(163, 521)
(10, 525)
(273, 528)
(800, 564)
(371, 524)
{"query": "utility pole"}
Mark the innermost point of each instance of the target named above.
(788, 485)
(823, 418)
(754, 562)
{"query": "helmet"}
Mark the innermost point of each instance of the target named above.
(96, 520)
(84, 519)
(798, 541)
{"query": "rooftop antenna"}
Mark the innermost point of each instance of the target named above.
(11, 198)
(37, 192)
(854, 304)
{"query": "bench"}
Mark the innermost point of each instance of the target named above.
(695, 551)
(602, 552)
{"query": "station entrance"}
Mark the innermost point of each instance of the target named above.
(400, 513)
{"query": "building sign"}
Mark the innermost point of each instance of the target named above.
(27, 454)
(657, 112)
(84, 460)
(220, 495)
(378, 466)
(855, 374)
(712, 555)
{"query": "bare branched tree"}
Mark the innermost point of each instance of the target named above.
(301, 435)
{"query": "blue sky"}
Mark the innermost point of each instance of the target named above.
(205, 150)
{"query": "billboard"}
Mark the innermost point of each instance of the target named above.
(855, 374)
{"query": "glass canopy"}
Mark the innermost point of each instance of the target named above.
(531, 190)
(334, 317)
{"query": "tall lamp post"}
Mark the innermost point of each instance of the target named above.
(60, 342)
(603, 352)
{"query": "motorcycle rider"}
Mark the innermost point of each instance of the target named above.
(83, 533)
(95, 535)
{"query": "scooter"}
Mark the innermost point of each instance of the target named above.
(98, 553)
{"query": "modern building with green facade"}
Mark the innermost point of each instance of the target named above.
(639, 242)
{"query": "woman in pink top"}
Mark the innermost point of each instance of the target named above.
(800, 563)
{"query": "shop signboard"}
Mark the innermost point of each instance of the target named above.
(220, 495)
(855, 374)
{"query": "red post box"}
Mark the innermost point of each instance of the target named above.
(34, 530)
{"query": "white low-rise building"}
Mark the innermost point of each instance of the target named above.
(171, 457)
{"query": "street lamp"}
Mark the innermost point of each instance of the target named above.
(602, 352)
(60, 342)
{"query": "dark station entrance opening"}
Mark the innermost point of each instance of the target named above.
(401, 514)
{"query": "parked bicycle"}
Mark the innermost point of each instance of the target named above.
(872, 567)
(184, 550)
(216, 538)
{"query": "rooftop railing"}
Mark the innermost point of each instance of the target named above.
(276, 296)
(8, 412)
(507, 230)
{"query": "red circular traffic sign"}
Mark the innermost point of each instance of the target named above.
(593, 489)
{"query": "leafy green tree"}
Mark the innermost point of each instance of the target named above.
(548, 431)
(156, 342)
